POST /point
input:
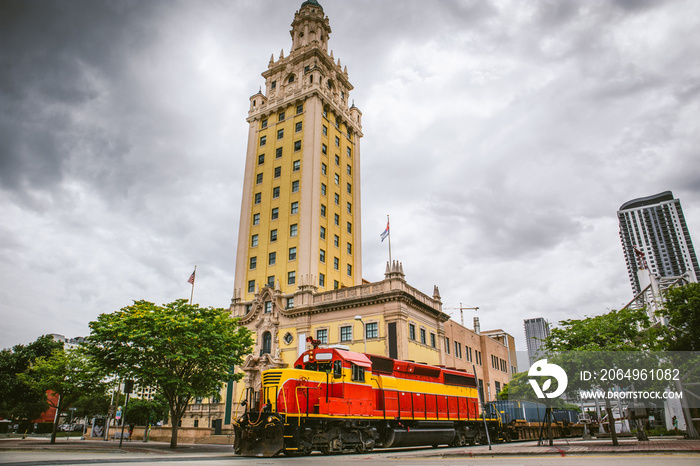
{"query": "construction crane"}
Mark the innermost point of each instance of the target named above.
(461, 311)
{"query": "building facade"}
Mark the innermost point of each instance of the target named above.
(536, 330)
(299, 255)
(300, 212)
(655, 238)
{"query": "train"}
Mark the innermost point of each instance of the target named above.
(335, 400)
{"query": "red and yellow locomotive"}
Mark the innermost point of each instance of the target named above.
(335, 400)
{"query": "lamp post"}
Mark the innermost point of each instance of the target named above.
(364, 331)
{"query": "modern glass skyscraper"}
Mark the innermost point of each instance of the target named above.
(655, 237)
(536, 330)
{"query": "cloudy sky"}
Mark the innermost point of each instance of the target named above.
(501, 137)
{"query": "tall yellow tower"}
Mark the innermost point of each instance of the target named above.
(300, 212)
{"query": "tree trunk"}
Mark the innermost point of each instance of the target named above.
(611, 421)
(173, 431)
(56, 418)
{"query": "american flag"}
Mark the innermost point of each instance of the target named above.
(191, 279)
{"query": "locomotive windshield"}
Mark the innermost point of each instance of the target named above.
(319, 366)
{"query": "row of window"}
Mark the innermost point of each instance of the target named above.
(423, 335)
(291, 280)
(469, 356)
(281, 115)
(498, 363)
(371, 331)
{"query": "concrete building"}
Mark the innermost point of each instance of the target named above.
(655, 239)
(536, 330)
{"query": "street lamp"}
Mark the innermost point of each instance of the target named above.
(364, 332)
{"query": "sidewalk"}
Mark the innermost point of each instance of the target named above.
(560, 448)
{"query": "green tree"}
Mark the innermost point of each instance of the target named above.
(682, 307)
(90, 405)
(591, 342)
(17, 400)
(181, 349)
(141, 412)
(69, 374)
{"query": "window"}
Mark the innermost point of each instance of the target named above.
(336, 263)
(292, 253)
(337, 179)
(324, 149)
(251, 286)
(358, 373)
(349, 208)
(273, 84)
(290, 304)
(336, 285)
(263, 124)
(349, 270)
(291, 79)
(278, 172)
(278, 152)
(296, 165)
(321, 280)
(411, 331)
(432, 340)
(336, 219)
(258, 178)
(275, 192)
(297, 146)
(349, 170)
(258, 198)
(295, 186)
(422, 336)
(349, 227)
(325, 130)
(256, 219)
(281, 116)
(372, 330)
(447, 345)
(336, 241)
(349, 152)
(458, 350)
(275, 213)
(337, 141)
(253, 262)
(324, 169)
(263, 140)
(337, 199)
(322, 256)
(273, 236)
(268, 307)
(293, 230)
(322, 335)
(349, 188)
(349, 248)
(271, 281)
(254, 241)
(291, 278)
(266, 347)
(337, 160)
(300, 109)
(280, 133)
(346, 333)
(295, 207)
(323, 210)
(323, 232)
(271, 258)
(323, 189)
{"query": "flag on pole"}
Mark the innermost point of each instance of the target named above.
(191, 279)
(386, 232)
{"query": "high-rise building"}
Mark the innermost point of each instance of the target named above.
(655, 237)
(536, 330)
(300, 212)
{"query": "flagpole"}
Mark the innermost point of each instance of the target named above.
(387, 224)
(193, 280)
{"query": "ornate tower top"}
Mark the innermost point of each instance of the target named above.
(310, 26)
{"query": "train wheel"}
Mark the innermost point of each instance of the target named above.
(472, 440)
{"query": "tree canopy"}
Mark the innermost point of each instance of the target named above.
(17, 400)
(682, 307)
(183, 350)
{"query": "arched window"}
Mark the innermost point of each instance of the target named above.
(266, 343)
(290, 79)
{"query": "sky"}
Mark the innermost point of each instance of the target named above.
(500, 136)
